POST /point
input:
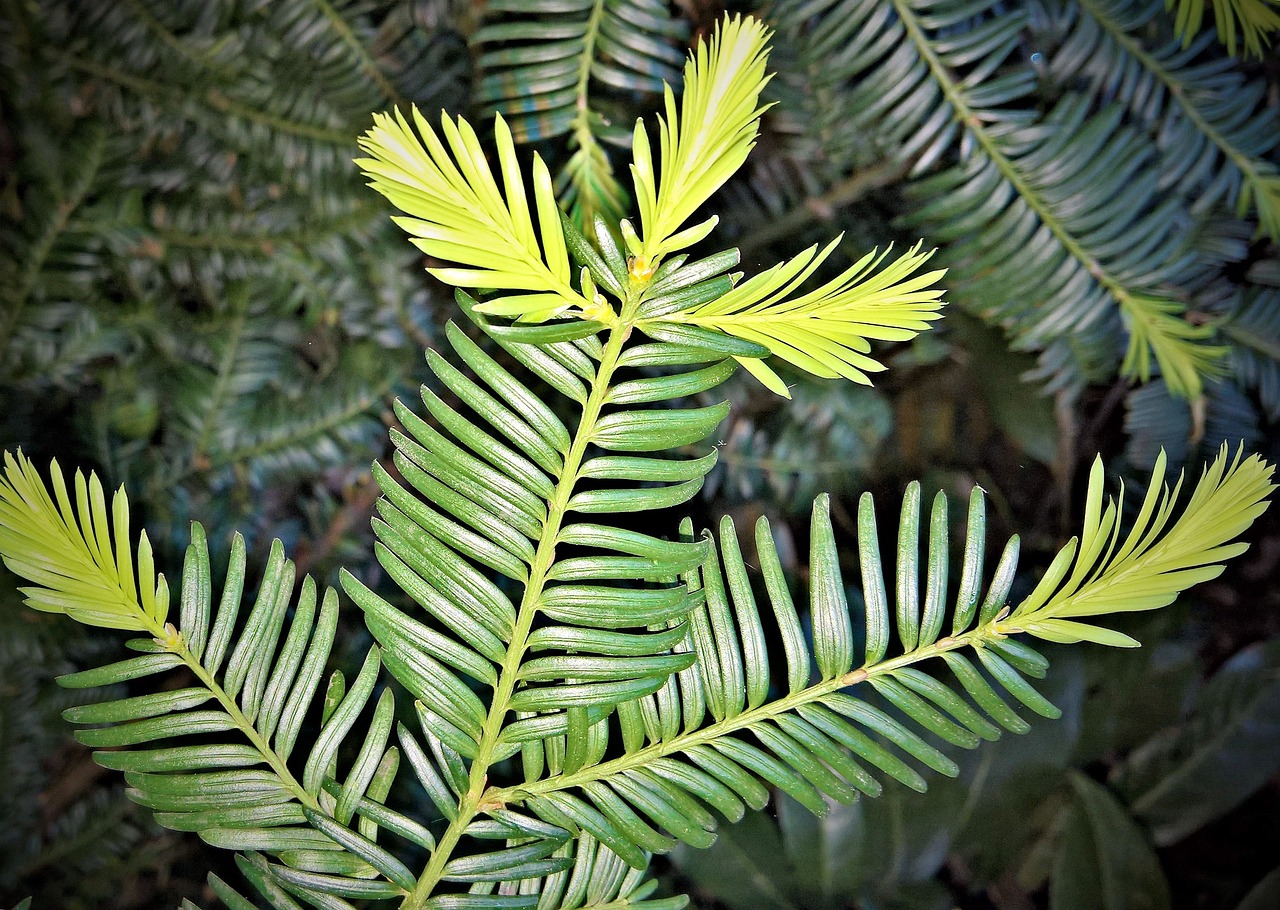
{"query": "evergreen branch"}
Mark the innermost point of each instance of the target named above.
(52, 229)
(213, 99)
(1262, 183)
(703, 144)
(357, 48)
(304, 432)
(589, 186)
(751, 718)
(83, 564)
(1151, 325)
(518, 501)
(571, 71)
(174, 43)
(1155, 561)
(676, 757)
(545, 593)
(460, 215)
(1034, 188)
(826, 331)
(91, 578)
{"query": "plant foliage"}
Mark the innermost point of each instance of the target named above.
(1022, 814)
(1253, 19)
(1099, 179)
(571, 69)
(585, 694)
(190, 254)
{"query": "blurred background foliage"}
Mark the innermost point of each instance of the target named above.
(199, 299)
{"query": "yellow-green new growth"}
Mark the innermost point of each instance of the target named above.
(459, 213)
(1255, 19)
(1155, 561)
(826, 331)
(81, 560)
(1186, 359)
(705, 144)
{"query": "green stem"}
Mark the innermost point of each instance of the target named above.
(278, 765)
(168, 637)
(747, 719)
(1130, 302)
(361, 53)
(1245, 164)
(38, 252)
(585, 60)
(594, 160)
(470, 803)
(213, 98)
(973, 122)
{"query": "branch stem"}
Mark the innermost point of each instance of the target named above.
(1177, 92)
(167, 636)
(975, 638)
(544, 557)
(1133, 304)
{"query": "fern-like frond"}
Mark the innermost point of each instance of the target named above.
(1255, 20)
(1062, 194)
(826, 331)
(459, 214)
(1156, 558)
(587, 188)
(1212, 126)
(254, 685)
(703, 144)
(82, 560)
(1077, 264)
(144, 214)
(539, 65)
(572, 70)
(883, 89)
(281, 432)
(714, 736)
(338, 33)
(484, 490)
(599, 880)
(1156, 327)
